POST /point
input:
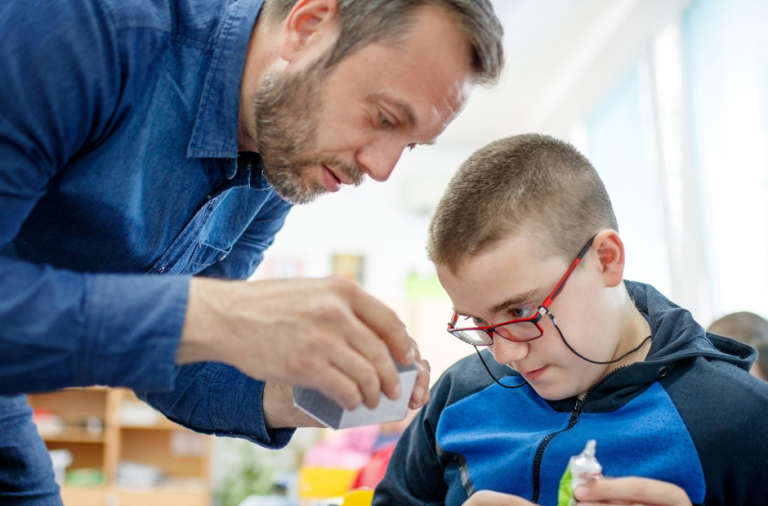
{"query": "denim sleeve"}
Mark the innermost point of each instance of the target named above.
(218, 399)
(61, 80)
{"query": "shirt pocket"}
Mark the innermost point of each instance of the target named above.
(203, 256)
(177, 258)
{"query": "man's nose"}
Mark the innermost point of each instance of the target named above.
(506, 351)
(380, 158)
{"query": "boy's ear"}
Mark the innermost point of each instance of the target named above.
(610, 253)
(309, 29)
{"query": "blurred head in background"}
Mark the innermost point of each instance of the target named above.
(750, 329)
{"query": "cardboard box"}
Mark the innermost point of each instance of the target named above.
(330, 414)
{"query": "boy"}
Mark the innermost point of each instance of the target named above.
(525, 243)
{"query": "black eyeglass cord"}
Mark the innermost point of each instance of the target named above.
(633, 350)
(494, 377)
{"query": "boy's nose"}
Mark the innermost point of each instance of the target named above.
(506, 351)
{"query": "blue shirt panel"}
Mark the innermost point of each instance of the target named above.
(498, 432)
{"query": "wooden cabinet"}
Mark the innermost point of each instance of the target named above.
(103, 427)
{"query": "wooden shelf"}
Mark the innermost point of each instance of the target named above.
(163, 424)
(181, 455)
(108, 495)
(73, 435)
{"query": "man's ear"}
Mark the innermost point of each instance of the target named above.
(309, 29)
(610, 254)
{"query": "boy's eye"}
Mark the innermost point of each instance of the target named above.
(478, 322)
(521, 312)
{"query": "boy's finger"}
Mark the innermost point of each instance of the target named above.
(632, 491)
(489, 498)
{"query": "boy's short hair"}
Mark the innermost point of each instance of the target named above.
(748, 328)
(530, 180)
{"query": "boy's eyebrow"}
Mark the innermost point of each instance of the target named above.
(514, 301)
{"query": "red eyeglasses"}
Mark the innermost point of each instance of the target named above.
(522, 329)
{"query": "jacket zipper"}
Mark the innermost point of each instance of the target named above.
(571, 422)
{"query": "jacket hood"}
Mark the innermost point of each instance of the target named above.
(677, 336)
(677, 339)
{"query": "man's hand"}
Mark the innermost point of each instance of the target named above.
(327, 334)
(636, 491)
(488, 498)
(279, 411)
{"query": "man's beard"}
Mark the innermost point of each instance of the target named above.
(286, 108)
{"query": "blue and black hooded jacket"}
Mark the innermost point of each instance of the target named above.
(690, 414)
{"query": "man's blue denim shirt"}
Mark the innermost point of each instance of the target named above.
(119, 179)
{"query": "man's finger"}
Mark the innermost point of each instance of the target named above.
(385, 323)
(373, 349)
(361, 372)
(338, 386)
(420, 395)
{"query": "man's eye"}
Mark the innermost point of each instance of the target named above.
(385, 122)
(478, 321)
(521, 312)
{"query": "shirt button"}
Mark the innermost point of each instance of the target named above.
(160, 270)
(222, 258)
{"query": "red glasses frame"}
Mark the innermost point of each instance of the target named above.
(542, 310)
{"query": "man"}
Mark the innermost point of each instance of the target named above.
(169, 139)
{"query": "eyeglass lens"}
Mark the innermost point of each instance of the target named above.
(519, 331)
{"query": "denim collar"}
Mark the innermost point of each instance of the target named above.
(215, 132)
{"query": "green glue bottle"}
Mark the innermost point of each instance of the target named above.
(581, 469)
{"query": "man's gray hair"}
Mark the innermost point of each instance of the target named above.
(362, 22)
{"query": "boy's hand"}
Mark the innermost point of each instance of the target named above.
(636, 491)
(488, 498)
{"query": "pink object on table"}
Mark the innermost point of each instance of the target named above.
(346, 449)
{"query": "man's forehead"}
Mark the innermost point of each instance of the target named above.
(434, 65)
(442, 112)
(454, 102)
(427, 111)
